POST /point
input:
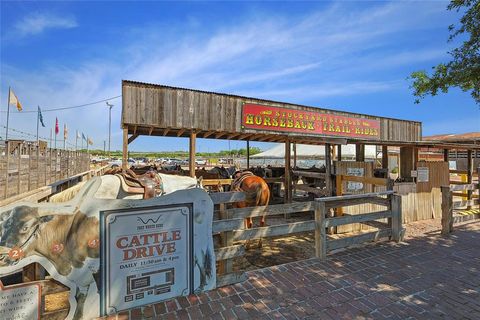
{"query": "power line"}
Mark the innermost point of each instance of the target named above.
(72, 107)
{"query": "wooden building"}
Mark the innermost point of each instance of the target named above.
(158, 110)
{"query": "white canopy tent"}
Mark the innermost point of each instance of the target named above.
(305, 151)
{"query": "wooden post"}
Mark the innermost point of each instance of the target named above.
(320, 232)
(248, 154)
(360, 152)
(339, 152)
(19, 165)
(191, 161)
(125, 149)
(294, 155)
(328, 169)
(445, 155)
(469, 175)
(385, 158)
(29, 170)
(447, 210)
(408, 160)
(396, 208)
(288, 178)
(226, 238)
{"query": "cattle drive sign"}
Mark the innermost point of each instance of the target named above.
(261, 117)
(148, 254)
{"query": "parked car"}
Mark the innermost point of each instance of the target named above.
(200, 162)
(118, 163)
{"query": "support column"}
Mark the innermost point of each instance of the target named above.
(360, 152)
(288, 178)
(191, 161)
(339, 152)
(385, 158)
(469, 175)
(445, 155)
(408, 160)
(294, 155)
(248, 154)
(125, 149)
(328, 169)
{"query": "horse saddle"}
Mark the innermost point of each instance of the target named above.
(148, 184)
(237, 183)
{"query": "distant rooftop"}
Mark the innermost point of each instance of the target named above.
(470, 137)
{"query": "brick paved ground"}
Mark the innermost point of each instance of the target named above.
(423, 278)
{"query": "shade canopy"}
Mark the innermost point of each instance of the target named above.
(305, 151)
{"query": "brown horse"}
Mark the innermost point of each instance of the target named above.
(256, 190)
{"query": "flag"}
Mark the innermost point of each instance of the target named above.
(65, 132)
(83, 137)
(40, 117)
(57, 130)
(90, 141)
(14, 100)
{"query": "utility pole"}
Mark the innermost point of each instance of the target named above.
(110, 106)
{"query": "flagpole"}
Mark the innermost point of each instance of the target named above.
(55, 140)
(76, 140)
(8, 113)
(50, 138)
(38, 120)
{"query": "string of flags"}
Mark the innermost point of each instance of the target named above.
(13, 100)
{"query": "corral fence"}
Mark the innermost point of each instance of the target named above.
(231, 227)
(449, 207)
(26, 166)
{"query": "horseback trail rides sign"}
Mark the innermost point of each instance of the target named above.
(261, 117)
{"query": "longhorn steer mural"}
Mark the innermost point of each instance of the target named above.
(65, 239)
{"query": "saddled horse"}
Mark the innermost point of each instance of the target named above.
(256, 190)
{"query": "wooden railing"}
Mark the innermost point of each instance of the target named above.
(448, 205)
(231, 226)
(322, 205)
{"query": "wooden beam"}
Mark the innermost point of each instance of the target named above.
(229, 252)
(288, 178)
(180, 132)
(360, 152)
(328, 169)
(227, 197)
(246, 136)
(358, 239)
(339, 152)
(134, 130)
(294, 155)
(275, 209)
(132, 137)
(221, 134)
(165, 131)
(357, 218)
(469, 175)
(208, 134)
(445, 155)
(150, 131)
(191, 163)
(234, 135)
(273, 231)
(248, 154)
(125, 149)
(385, 157)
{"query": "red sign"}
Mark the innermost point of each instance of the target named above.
(288, 120)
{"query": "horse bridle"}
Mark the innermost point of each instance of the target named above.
(34, 232)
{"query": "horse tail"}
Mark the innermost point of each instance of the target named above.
(262, 187)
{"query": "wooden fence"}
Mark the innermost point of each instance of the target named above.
(25, 167)
(448, 205)
(232, 229)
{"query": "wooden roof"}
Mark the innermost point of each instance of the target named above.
(150, 109)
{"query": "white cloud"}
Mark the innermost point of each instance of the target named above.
(37, 23)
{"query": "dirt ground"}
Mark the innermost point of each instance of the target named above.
(280, 250)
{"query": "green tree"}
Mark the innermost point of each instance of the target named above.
(463, 70)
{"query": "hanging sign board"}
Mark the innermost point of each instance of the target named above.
(20, 302)
(413, 173)
(148, 254)
(353, 185)
(261, 117)
(422, 174)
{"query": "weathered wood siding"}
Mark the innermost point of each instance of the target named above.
(159, 107)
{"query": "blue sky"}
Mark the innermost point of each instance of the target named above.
(352, 56)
